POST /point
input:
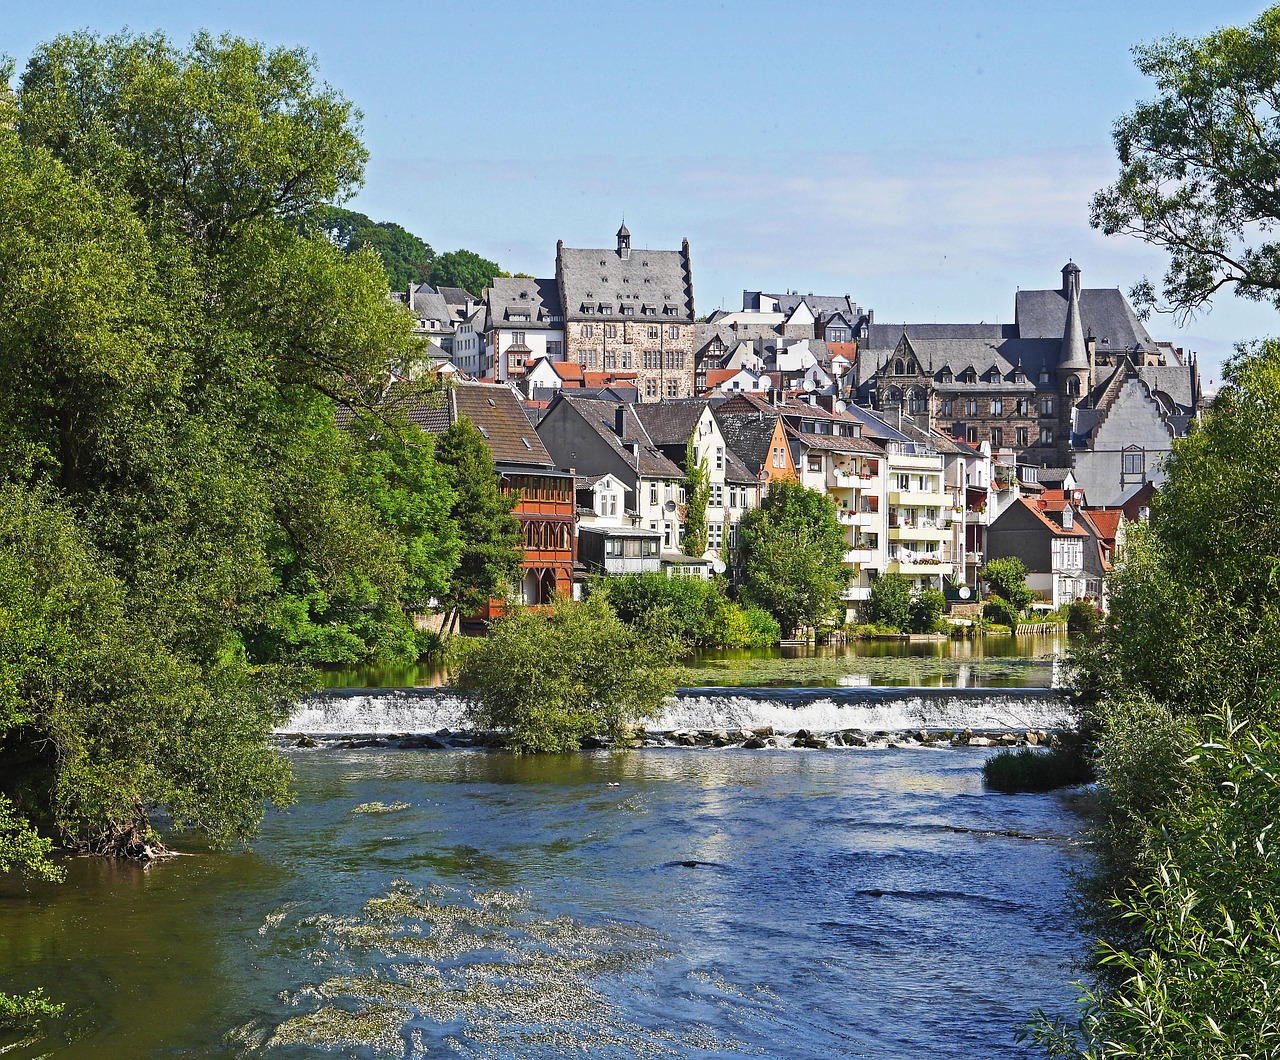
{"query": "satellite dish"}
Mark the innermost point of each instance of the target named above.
(670, 506)
(718, 565)
(964, 592)
(808, 385)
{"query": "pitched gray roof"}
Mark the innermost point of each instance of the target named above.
(748, 434)
(660, 280)
(600, 416)
(671, 422)
(512, 297)
(1172, 380)
(427, 303)
(1105, 314)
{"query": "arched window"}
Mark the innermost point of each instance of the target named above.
(899, 368)
(919, 404)
(1073, 386)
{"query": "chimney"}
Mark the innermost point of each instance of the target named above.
(620, 421)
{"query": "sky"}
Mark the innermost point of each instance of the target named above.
(925, 158)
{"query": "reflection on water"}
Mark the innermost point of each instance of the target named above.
(1002, 661)
(711, 903)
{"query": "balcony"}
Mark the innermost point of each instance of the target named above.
(856, 594)
(918, 498)
(859, 555)
(845, 480)
(923, 532)
(919, 566)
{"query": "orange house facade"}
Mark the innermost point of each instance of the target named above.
(545, 508)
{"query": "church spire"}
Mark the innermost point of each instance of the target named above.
(1074, 355)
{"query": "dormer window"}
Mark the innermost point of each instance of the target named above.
(969, 376)
(945, 376)
(1044, 375)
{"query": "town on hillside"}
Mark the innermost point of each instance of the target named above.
(943, 446)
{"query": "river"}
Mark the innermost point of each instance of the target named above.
(663, 902)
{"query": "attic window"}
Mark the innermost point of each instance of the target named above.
(526, 443)
(483, 431)
(606, 310)
(945, 376)
(492, 404)
(524, 295)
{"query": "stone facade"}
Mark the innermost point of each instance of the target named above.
(631, 311)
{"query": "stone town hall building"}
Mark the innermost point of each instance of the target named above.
(630, 310)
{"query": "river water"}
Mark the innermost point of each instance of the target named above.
(663, 902)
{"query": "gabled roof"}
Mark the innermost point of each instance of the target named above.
(456, 296)
(1057, 529)
(659, 279)
(499, 416)
(748, 434)
(1107, 521)
(671, 422)
(601, 417)
(513, 297)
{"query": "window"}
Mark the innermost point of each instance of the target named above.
(719, 458)
(815, 463)
(649, 546)
(997, 437)
(944, 407)
(1024, 407)
(591, 358)
(517, 337)
(554, 348)
(606, 310)
(971, 406)
(717, 495)
(628, 310)
(651, 388)
(945, 376)
(653, 331)
(674, 359)
(673, 388)
(1046, 406)
(653, 493)
(971, 435)
(779, 457)
(715, 536)
(919, 404)
(1022, 437)
(997, 406)
(733, 496)
(626, 359)
(1046, 436)
(968, 376)
(899, 368)
(1044, 375)
(1135, 463)
(610, 359)
(652, 359)
(904, 482)
(1073, 386)
(612, 546)
(673, 332)
(611, 331)
(588, 330)
(733, 535)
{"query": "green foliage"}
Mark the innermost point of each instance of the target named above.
(1198, 165)
(1029, 770)
(22, 848)
(1194, 619)
(890, 602)
(697, 491)
(793, 550)
(1204, 980)
(491, 552)
(465, 269)
(695, 611)
(406, 258)
(925, 611)
(553, 679)
(26, 1012)
(182, 519)
(998, 610)
(1083, 616)
(1008, 578)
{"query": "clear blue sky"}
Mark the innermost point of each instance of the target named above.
(927, 158)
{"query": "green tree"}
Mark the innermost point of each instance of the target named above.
(491, 552)
(925, 610)
(697, 492)
(173, 345)
(1200, 164)
(1007, 577)
(696, 611)
(552, 679)
(890, 601)
(406, 258)
(793, 556)
(465, 269)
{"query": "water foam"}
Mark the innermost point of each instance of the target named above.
(422, 710)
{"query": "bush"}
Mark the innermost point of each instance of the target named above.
(890, 601)
(26, 1012)
(999, 611)
(552, 679)
(925, 610)
(684, 607)
(1030, 770)
(1007, 578)
(1083, 616)
(735, 626)
(867, 630)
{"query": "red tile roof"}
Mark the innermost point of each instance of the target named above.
(1056, 528)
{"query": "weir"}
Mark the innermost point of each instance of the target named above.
(347, 711)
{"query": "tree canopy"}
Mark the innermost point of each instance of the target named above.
(183, 520)
(1200, 165)
(792, 549)
(465, 269)
(406, 258)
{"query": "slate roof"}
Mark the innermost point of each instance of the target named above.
(1105, 314)
(817, 303)
(831, 443)
(1172, 380)
(456, 296)
(748, 436)
(644, 278)
(428, 304)
(600, 416)
(671, 422)
(509, 297)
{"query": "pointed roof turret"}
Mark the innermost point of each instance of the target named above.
(1073, 355)
(624, 242)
